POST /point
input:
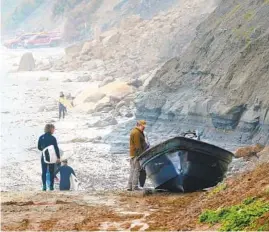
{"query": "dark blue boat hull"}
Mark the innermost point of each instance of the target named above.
(182, 164)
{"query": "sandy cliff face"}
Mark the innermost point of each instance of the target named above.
(136, 46)
(220, 84)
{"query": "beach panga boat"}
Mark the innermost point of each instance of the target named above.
(183, 164)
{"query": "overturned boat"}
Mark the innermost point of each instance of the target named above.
(183, 165)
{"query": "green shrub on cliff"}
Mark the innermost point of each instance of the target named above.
(236, 217)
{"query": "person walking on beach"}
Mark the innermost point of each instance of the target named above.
(65, 173)
(137, 146)
(63, 104)
(44, 141)
(62, 107)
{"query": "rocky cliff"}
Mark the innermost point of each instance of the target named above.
(77, 20)
(138, 45)
(219, 85)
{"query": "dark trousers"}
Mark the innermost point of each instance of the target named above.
(142, 177)
(44, 167)
(64, 188)
(62, 110)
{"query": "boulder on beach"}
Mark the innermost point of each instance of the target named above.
(85, 57)
(108, 34)
(85, 78)
(116, 89)
(87, 107)
(103, 107)
(82, 96)
(93, 64)
(108, 121)
(86, 48)
(27, 62)
(73, 50)
(125, 112)
(102, 99)
(111, 40)
(136, 83)
(107, 80)
(95, 97)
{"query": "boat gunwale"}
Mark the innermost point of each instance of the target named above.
(183, 148)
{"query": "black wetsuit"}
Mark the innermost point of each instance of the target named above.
(65, 173)
(44, 141)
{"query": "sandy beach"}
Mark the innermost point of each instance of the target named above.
(27, 104)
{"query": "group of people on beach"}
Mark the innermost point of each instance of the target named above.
(138, 144)
(44, 141)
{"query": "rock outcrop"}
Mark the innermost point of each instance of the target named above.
(137, 45)
(74, 50)
(106, 81)
(108, 121)
(219, 85)
(102, 99)
(221, 82)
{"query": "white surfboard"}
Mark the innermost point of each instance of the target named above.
(74, 183)
(52, 155)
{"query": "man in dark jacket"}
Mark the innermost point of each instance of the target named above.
(65, 173)
(137, 146)
(44, 141)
